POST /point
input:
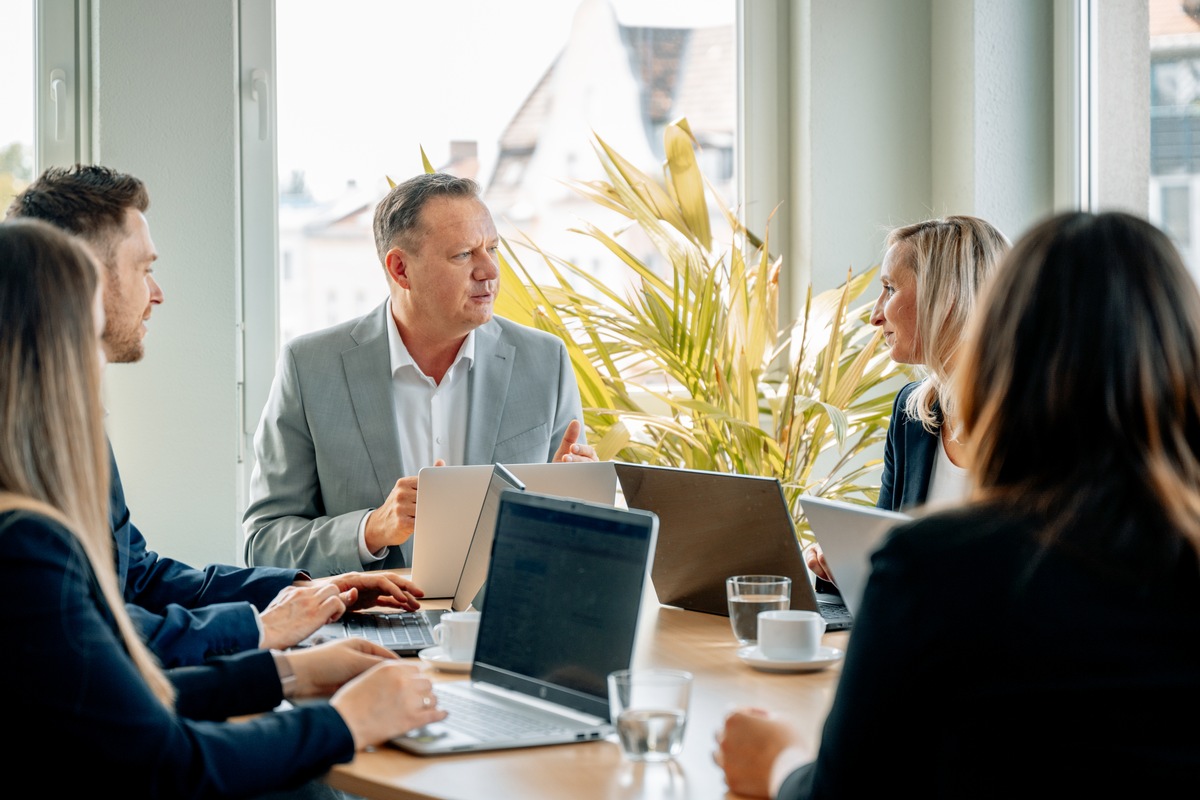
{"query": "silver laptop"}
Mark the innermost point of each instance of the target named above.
(716, 524)
(407, 633)
(848, 534)
(449, 498)
(539, 678)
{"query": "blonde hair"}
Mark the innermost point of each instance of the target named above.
(53, 453)
(952, 259)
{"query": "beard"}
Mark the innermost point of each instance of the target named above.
(122, 334)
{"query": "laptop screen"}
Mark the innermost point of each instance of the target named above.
(564, 590)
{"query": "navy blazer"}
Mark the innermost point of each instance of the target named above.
(74, 689)
(908, 457)
(227, 686)
(185, 614)
(1043, 676)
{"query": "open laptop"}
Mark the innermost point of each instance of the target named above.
(408, 632)
(449, 499)
(471, 581)
(715, 524)
(848, 534)
(560, 613)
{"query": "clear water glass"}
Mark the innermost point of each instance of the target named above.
(649, 708)
(749, 596)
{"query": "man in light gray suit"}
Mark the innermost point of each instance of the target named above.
(427, 378)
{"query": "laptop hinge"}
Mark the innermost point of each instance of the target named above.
(537, 702)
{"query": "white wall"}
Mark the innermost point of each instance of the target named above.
(993, 111)
(865, 142)
(1123, 97)
(166, 98)
(910, 109)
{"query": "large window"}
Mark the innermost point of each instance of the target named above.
(488, 95)
(16, 99)
(1175, 123)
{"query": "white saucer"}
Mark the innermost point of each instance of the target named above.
(825, 657)
(439, 660)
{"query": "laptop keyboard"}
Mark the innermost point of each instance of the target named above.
(837, 616)
(391, 630)
(487, 722)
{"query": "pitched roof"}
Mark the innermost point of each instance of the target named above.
(679, 70)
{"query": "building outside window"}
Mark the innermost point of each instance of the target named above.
(521, 126)
(1174, 202)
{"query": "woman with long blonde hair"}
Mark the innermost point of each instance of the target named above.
(80, 677)
(932, 275)
(1062, 659)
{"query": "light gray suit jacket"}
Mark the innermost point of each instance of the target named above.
(328, 450)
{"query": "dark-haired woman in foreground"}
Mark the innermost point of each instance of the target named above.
(1063, 657)
(80, 681)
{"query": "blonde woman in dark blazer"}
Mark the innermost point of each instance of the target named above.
(931, 277)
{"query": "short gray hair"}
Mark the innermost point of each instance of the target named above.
(398, 215)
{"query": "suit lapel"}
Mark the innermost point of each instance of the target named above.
(368, 374)
(921, 447)
(490, 375)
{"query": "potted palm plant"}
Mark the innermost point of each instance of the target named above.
(689, 366)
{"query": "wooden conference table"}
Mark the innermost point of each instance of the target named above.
(669, 637)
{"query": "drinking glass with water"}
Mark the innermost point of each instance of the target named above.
(750, 595)
(649, 708)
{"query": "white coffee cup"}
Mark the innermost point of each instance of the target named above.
(790, 635)
(455, 633)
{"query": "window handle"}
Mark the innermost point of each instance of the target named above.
(260, 93)
(58, 97)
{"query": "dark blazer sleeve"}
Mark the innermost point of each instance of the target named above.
(185, 614)
(908, 457)
(80, 691)
(227, 686)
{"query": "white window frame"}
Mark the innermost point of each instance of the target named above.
(259, 284)
(62, 94)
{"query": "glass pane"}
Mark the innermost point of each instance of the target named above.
(489, 95)
(1177, 213)
(1175, 120)
(16, 99)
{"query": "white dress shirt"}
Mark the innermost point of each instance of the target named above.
(948, 483)
(431, 418)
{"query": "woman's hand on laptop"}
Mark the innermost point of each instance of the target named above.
(299, 610)
(814, 559)
(323, 669)
(386, 701)
(384, 588)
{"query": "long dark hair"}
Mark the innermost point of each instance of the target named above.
(1080, 392)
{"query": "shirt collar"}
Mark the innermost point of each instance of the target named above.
(400, 357)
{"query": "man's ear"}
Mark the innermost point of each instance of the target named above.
(395, 264)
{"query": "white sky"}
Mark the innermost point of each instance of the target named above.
(364, 83)
(16, 72)
(361, 93)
